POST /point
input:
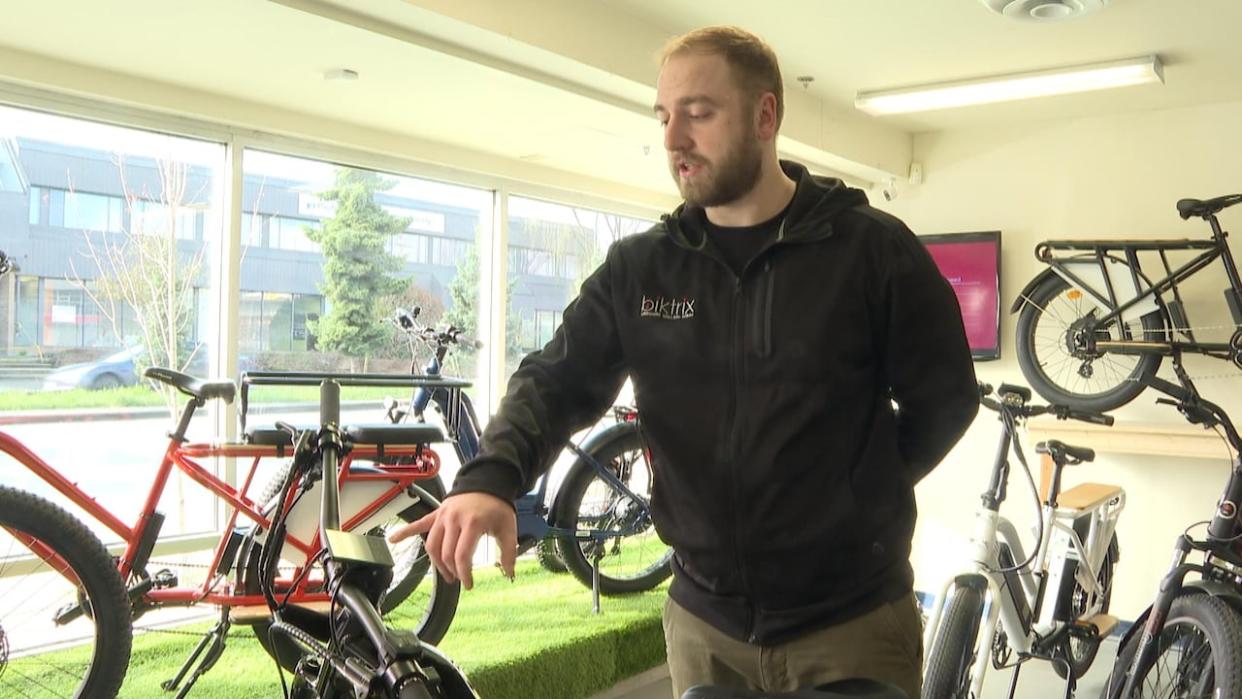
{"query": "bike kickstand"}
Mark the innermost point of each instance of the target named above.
(213, 643)
(1013, 681)
(595, 556)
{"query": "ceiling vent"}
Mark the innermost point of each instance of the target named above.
(1044, 10)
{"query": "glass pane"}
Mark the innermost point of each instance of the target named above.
(341, 251)
(95, 301)
(87, 211)
(35, 196)
(553, 248)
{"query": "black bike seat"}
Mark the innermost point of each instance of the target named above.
(845, 689)
(201, 389)
(380, 434)
(1060, 450)
(1206, 207)
(386, 433)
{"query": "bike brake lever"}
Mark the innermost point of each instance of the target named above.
(1194, 414)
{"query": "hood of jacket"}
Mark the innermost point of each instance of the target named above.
(816, 202)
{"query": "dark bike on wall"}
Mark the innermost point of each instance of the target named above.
(600, 517)
(1188, 643)
(1094, 325)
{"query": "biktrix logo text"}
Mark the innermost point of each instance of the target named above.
(667, 308)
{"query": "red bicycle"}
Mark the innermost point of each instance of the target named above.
(67, 605)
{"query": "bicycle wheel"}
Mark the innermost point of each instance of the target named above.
(947, 675)
(1081, 652)
(1047, 324)
(86, 654)
(1198, 654)
(587, 502)
(548, 553)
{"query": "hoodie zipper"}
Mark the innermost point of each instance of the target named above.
(736, 357)
(762, 315)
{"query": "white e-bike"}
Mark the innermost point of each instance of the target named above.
(1051, 605)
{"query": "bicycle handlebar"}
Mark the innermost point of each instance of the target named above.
(1013, 400)
(450, 335)
(1195, 408)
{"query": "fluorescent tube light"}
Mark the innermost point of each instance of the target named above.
(1016, 86)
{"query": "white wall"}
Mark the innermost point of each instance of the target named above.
(1092, 178)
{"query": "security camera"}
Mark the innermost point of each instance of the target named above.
(889, 190)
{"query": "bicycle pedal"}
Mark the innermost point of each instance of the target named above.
(165, 579)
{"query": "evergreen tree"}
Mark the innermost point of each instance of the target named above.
(358, 269)
(464, 314)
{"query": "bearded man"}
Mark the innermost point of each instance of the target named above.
(798, 363)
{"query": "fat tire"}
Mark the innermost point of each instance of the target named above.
(101, 585)
(548, 553)
(947, 675)
(619, 439)
(1221, 626)
(1033, 364)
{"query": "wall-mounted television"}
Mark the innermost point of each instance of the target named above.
(971, 263)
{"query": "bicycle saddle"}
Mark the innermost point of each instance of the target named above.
(845, 689)
(380, 434)
(1062, 452)
(1206, 207)
(202, 389)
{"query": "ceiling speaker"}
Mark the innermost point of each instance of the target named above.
(1044, 10)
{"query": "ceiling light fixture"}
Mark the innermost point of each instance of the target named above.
(1044, 10)
(1016, 86)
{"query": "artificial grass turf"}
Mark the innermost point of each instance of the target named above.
(533, 638)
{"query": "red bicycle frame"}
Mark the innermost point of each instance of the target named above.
(424, 463)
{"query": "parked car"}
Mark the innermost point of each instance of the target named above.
(113, 371)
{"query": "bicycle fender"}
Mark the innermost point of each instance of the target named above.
(1087, 275)
(594, 444)
(972, 580)
(1230, 594)
(1029, 289)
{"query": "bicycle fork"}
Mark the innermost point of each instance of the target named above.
(1170, 588)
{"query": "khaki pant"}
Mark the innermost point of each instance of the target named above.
(884, 644)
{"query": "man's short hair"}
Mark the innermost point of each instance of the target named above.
(752, 61)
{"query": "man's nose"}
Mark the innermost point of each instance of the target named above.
(676, 137)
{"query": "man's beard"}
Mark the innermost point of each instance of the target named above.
(730, 179)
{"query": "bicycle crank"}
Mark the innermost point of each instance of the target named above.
(1235, 346)
(1001, 652)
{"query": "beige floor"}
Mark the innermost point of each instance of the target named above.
(1036, 681)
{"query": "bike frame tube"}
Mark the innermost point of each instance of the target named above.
(1116, 308)
(1092, 554)
(1170, 588)
(1231, 268)
(20, 453)
(178, 455)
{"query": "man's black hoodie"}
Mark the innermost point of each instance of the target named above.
(789, 410)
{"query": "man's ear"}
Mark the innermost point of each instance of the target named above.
(765, 117)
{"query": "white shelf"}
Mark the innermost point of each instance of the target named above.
(1153, 439)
